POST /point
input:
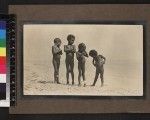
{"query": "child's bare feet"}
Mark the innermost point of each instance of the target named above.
(72, 83)
(102, 84)
(67, 83)
(58, 82)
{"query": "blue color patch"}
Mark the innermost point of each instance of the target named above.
(2, 34)
(3, 25)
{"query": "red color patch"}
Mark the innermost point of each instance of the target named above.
(2, 69)
(2, 60)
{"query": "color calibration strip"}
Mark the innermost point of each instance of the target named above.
(3, 66)
(12, 57)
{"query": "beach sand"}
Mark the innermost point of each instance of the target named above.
(120, 79)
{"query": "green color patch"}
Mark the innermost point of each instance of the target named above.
(2, 43)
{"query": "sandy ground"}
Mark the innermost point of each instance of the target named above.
(120, 80)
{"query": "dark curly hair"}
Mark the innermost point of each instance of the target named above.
(70, 36)
(93, 53)
(56, 40)
(81, 46)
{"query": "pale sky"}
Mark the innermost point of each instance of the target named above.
(115, 42)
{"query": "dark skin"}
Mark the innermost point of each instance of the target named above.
(70, 50)
(57, 52)
(81, 54)
(99, 68)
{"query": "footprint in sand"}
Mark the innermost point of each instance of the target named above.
(27, 87)
(34, 74)
(41, 89)
(33, 80)
(44, 82)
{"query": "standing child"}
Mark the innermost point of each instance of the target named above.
(70, 50)
(57, 52)
(98, 62)
(81, 54)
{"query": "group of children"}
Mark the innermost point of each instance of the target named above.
(70, 50)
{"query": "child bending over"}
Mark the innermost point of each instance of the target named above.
(98, 62)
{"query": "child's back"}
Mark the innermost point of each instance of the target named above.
(99, 61)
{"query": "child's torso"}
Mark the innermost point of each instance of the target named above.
(56, 56)
(81, 57)
(70, 55)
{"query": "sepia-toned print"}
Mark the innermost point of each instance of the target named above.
(83, 59)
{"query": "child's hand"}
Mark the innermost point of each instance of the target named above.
(94, 65)
(72, 50)
(85, 54)
(60, 52)
(104, 61)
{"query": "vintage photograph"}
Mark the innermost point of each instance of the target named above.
(83, 59)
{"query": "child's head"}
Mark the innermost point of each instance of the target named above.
(82, 47)
(71, 39)
(57, 41)
(93, 53)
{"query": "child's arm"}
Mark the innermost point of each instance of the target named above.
(93, 62)
(73, 49)
(66, 49)
(69, 49)
(103, 58)
(56, 50)
(60, 52)
(85, 54)
(78, 55)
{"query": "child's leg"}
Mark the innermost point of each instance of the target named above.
(72, 72)
(83, 73)
(55, 70)
(58, 65)
(102, 76)
(79, 75)
(67, 71)
(96, 77)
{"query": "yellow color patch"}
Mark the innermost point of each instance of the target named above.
(2, 51)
